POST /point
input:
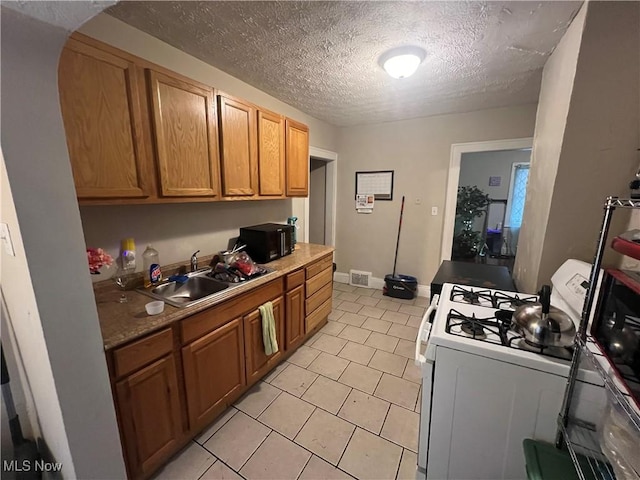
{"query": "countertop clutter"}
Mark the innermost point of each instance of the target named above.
(123, 322)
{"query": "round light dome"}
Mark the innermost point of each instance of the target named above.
(402, 62)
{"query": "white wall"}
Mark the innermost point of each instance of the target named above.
(586, 139)
(322, 135)
(418, 151)
(175, 230)
(46, 285)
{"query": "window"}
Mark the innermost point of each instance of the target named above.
(517, 194)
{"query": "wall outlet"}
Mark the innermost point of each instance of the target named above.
(434, 211)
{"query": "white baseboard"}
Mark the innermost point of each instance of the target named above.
(378, 283)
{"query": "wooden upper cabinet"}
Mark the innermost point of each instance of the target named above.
(297, 157)
(238, 151)
(150, 412)
(271, 164)
(184, 122)
(100, 103)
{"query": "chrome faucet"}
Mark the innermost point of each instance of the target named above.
(194, 261)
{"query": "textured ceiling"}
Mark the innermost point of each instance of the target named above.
(322, 57)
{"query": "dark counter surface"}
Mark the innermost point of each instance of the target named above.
(472, 274)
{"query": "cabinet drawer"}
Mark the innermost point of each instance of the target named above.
(319, 281)
(318, 298)
(294, 279)
(138, 354)
(318, 315)
(317, 267)
(204, 322)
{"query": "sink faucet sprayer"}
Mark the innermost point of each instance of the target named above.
(194, 261)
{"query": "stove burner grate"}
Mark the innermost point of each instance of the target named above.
(473, 329)
(497, 330)
(506, 301)
(473, 297)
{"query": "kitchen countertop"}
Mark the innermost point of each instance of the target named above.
(123, 322)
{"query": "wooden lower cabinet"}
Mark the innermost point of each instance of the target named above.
(214, 372)
(295, 317)
(171, 384)
(150, 414)
(257, 362)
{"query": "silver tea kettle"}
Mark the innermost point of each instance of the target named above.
(543, 325)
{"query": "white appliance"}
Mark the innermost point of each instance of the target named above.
(485, 390)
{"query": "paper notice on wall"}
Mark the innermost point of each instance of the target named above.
(364, 203)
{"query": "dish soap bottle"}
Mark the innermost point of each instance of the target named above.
(151, 261)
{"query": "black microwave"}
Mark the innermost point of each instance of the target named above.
(616, 325)
(267, 241)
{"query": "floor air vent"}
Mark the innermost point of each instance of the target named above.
(359, 279)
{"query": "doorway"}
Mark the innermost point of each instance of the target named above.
(320, 205)
(317, 201)
(495, 169)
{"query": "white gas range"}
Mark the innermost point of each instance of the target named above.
(485, 389)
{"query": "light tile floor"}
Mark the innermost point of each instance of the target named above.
(345, 405)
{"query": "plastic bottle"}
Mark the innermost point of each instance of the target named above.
(151, 261)
(128, 254)
(292, 221)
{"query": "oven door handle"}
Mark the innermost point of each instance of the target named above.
(423, 331)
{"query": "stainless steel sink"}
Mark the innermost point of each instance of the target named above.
(182, 294)
(197, 288)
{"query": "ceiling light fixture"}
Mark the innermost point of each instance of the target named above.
(402, 62)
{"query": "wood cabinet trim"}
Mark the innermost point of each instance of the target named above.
(135, 355)
(297, 158)
(132, 413)
(164, 156)
(230, 165)
(318, 266)
(318, 298)
(294, 317)
(271, 155)
(315, 317)
(201, 323)
(292, 280)
(200, 413)
(319, 281)
(141, 155)
(256, 362)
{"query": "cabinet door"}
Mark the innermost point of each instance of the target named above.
(258, 363)
(295, 316)
(271, 166)
(238, 133)
(213, 372)
(149, 407)
(185, 133)
(297, 159)
(100, 104)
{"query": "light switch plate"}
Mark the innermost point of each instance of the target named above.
(5, 236)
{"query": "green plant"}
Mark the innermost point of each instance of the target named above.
(472, 203)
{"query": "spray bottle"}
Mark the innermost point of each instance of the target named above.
(292, 221)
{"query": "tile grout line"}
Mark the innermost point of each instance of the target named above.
(335, 415)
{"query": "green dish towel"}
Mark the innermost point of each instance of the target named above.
(268, 329)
